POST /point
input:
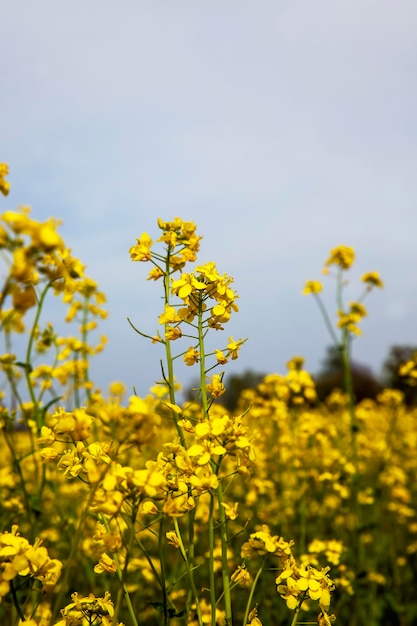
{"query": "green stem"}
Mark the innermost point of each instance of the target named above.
(211, 561)
(251, 594)
(117, 606)
(16, 601)
(25, 493)
(28, 366)
(158, 578)
(345, 349)
(296, 613)
(189, 572)
(205, 406)
(84, 337)
(326, 319)
(201, 346)
(73, 552)
(225, 569)
(168, 353)
(74, 548)
(121, 574)
(161, 538)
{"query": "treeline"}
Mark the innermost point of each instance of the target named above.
(331, 376)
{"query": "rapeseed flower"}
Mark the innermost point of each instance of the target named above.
(4, 185)
(349, 320)
(169, 316)
(192, 356)
(216, 387)
(312, 286)
(19, 558)
(408, 371)
(141, 251)
(233, 348)
(343, 256)
(372, 279)
(88, 608)
(297, 583)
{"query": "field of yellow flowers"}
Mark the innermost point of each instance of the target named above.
(148, 511)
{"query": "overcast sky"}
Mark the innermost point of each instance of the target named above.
(282, 128)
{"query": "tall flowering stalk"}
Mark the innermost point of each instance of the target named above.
(204, 301)
(348, 321)
(347, 327)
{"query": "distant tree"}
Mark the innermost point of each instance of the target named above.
(332, 362)
(331, 376)
(397, 356)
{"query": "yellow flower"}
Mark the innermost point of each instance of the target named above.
(149, 508)
(175, 225)
(4, 185)
(172, 333)
(77, 423)
(372, 279)
(262, 542)
(298, 582)
(216, 387)
(221, 357)
(242, 577)
(172, 538)
(357, 308)
(105, 564)
(47, 436)
(155, 273)
(191, 356)
(349, 321)
(47, 237)
(231, 511)
(296, 363)
(23, 298)
(343, 256)
(141, 251)
(117, 388)
(88, 609)
(233, 347)
(185, 285)
(408, 371)
(312, 286)
(169, 316)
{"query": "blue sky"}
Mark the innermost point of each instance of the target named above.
(282, 128)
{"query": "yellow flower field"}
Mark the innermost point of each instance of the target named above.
(117, 509)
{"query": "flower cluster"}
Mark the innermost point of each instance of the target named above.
(197, 289)
(372, 279)
(299, 582)
(76, 424)
(203, 293)
(262, 542)
(343, 257)
(4, 185)
(137, 423)
(88, 610)
(181, 240)
(19, 558)
(408, 371)
(349, 320)
(300, 384)
(226, 435)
